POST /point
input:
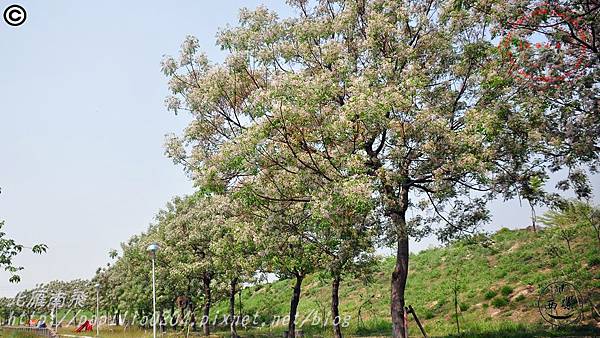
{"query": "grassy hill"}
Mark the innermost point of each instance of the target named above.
(498, 279)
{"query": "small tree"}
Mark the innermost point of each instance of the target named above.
(9, 249)
(196, 224)
(287, 252)
(334, 221)
(566, 216)
(235, 258)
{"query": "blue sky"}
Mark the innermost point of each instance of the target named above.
(82, 124)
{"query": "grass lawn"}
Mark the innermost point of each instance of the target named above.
(480, 330)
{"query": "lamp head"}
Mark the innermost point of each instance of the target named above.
(152, 249)
(97, 286)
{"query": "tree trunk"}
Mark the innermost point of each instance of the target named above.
(597, 233)
(533, 217)
(569, 245)
(335, 310)
(456, 309)
(207, 302)
(399, 277)
(232, 308)
(174, 325)
(294, 305)
(400, 273)
(240, 311)
(140, 313)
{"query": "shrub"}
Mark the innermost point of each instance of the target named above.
(499, 302)
(593, 261)
(490, 294)
(501, 274)
(519, 298)
(428, 314)
(506, 290)
(463, 307)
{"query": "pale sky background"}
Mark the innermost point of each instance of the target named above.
(82, 124)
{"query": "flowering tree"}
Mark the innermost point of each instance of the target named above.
(550, 50)
(345, 89)
(235, 257)
(343, 225)
(69, 297)
(283, 248)
(329, 226)
(412, 97)
(183, 273)
(197, 223)
(130, 275)
(125, 284)
(550, 42)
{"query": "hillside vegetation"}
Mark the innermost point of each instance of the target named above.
(497, 278)
(486, 286)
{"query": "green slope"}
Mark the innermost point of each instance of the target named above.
(498, 280)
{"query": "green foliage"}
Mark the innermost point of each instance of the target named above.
(9, 249)
(490, 294)
(499, 302)
(428, 314)
(506, 290)
(501, 274)
(374, 327)
(570, 213)
(594, 260)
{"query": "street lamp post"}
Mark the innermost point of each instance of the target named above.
(55, 318)
(152, 248)
(97, 308)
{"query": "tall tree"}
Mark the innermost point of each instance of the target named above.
(412, 95)
(197, 222)
(235, 256)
